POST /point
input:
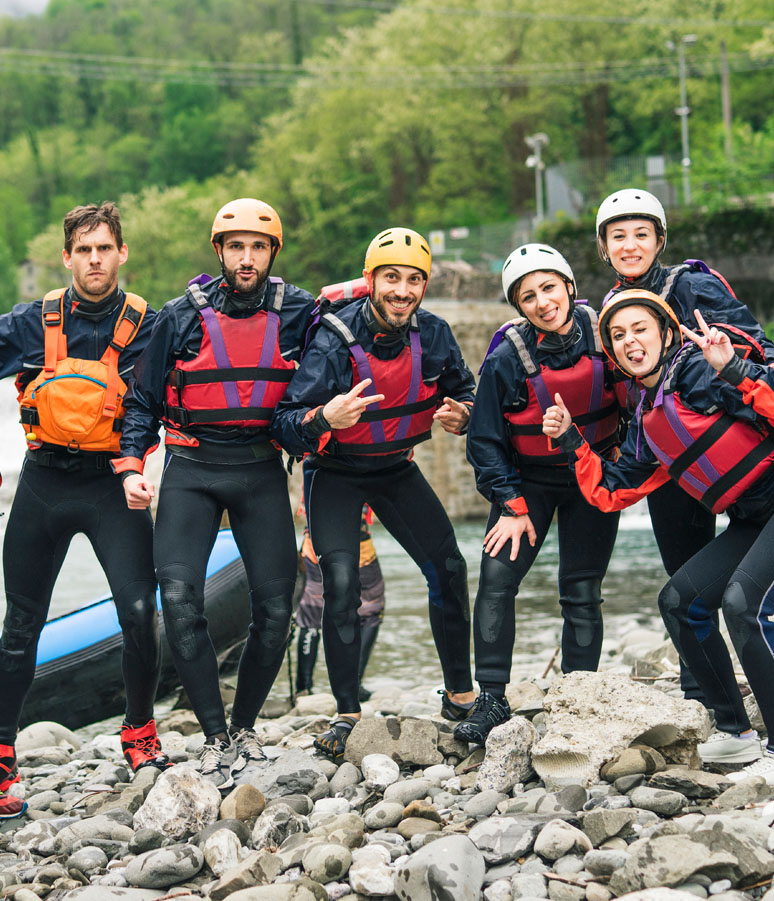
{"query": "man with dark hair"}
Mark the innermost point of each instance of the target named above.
(72, 352)
(218, 362)
(375, 377)
(90, 216)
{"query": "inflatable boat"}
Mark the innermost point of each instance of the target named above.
(78, 676)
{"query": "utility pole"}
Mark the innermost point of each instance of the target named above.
(683, 111)
(536, 143)
(725, 96)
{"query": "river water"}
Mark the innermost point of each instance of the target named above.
(405, 644)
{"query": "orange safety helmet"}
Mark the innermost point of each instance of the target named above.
(247, 215)
(638, 297)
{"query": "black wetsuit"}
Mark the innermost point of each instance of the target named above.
(681, 526)
(393, 486)
(60, 494)
(222, 467)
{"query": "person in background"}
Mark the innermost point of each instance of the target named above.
(73, 353)
(219, 360)
(554, 347)
(310, 609)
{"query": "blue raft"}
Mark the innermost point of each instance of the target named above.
(78, 677)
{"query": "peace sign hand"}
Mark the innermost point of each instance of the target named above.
(344, 410)
(714, 344)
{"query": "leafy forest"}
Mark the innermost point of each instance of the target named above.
(349, 115)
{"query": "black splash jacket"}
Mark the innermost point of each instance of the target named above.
(327, 370)
(504, 386)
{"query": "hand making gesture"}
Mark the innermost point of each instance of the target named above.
(556, 419)
(714, 344)
(344, 410)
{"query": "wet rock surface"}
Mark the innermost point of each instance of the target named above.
(410, 814)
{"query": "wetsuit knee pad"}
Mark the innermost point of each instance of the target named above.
(582, 610)
(20, 635)
(341, 591)
(139, 623)
(271, 607)
(497, 587)
(735, 605)
(181, 603)
(669, 599)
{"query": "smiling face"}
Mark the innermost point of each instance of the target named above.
(632, 245)
(246, 259)
(397, 292)
(544, 299)
(94, 260)
(635, 338)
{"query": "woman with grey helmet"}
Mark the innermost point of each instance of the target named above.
(631, 236)
(553, 347)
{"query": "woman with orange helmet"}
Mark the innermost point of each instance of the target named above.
(711, 436)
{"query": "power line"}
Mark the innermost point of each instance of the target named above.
(386, 6)
(230, 74)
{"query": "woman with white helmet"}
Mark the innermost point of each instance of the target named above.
(631, 236)
(553, 348)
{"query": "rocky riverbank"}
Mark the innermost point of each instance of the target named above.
(592, 791)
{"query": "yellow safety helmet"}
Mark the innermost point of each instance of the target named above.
(247, 215)
(398, 247)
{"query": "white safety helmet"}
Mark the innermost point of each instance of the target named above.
(535, 258)
(630, 203)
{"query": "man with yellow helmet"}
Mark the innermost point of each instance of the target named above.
(375, 376)
(217, 364)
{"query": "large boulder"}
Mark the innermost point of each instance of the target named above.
(592, 717)
(507, 760)
(181, 803)
(409, 741)
(669, 860)
(293, 773)
(449, 867)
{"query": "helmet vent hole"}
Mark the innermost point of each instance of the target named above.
(265, 218)
(228, 215)
(408, 240)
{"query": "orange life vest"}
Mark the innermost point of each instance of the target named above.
(73, 402)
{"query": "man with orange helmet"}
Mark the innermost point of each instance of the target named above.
(376, 375)
(73, 353)
(218, 362)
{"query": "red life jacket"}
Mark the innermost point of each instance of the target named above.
(239, 375)
(405, 416)
(715, 458)
(586, 388)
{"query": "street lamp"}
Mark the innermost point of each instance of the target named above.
(536, 143)
(683, 112)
